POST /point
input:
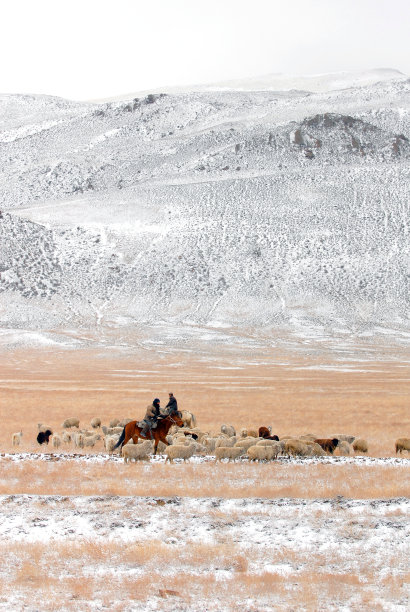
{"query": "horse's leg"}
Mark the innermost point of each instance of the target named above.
(127, 436)
(156, 438)
(160, 438)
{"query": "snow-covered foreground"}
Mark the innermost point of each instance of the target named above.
(131, 553)
(102, 458)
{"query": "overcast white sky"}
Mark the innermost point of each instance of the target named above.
(85, 49)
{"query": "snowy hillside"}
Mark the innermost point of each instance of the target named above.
(241, 209)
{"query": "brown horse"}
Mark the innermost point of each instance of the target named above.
(131, 430)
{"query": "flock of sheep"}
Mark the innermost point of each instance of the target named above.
(189, 441)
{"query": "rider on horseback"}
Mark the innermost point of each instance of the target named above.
(172, 405)
(151, 417)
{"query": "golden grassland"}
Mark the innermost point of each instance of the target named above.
(231, 480)
(45, 386)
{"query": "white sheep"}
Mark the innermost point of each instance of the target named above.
(110, 442)
(56, 441)
(228, 430)
(297, 447)
(209, 443)
(243, 433)
(262, 453)
(43, 428)
(225, 442)
(124, 422)
(343, 447)
(360, 446)
(136, 452)
(228, 452)
(177, 451)
(246, 443)
(91, 440)
(266, 442)
(317, 450)
(79, 440)
(71, 422)
(16, 438)
(110, 431)
(66, 437)
(95, 423)
(310, 437)
(344, 437)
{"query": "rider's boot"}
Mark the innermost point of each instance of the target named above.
(144, 431)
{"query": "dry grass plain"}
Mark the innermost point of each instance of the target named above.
(293, 394)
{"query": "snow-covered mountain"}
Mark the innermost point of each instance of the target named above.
(260, 210)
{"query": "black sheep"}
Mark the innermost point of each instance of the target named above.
(44, 436)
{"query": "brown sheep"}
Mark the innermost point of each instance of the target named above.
(402, 444)
(328, 444)
(265, 433)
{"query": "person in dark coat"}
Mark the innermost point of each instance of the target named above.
(172, 405)
(151, 416)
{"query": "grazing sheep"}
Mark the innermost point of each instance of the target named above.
(110, 442)
(123, 423)
(95, 423)
(16, 438)
(316, 450)
(66, 437)
(209, 443)
(177, 451)
(136, 452)
(225, 442)
(328, 444)
(360, 446)
(91, 440)
(44, 436)
(160, 448)
(200, 434)
(228, 430)
(56, 441)
(309, 437)
(297, 448)
(114, 422)
(263, 453)
(182, 441)
(344, 438)
(43, 428)
(110, 431)
(228, 452)
(246, 443)
(343, 447)
(402, 444)
(71, 422)
(79, 440)
(267, 442)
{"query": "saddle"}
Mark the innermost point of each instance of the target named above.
(142, 424)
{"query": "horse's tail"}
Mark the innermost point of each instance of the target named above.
(121, 439)
(193, 420)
